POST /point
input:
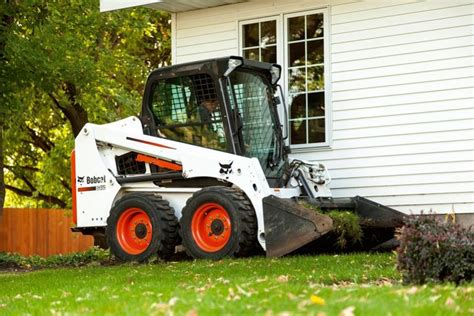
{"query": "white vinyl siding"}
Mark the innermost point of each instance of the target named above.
(402, 89)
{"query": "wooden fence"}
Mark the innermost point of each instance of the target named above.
(41, 232)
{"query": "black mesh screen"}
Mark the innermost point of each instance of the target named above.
(186, 109)
(127, 164)
(253, 101)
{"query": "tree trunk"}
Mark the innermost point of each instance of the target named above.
(74, 112)
(77, 116)
(2, 178)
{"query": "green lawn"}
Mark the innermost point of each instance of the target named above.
(306, 285)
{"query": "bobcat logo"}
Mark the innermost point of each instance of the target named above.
(225, 168)
(80, 179)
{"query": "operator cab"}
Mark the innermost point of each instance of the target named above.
(225, 104)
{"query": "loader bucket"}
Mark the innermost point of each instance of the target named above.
(289, 226)
(378, 221)
(372, 213)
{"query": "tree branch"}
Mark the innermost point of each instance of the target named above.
(41, 196)
(28, 183)
(40, 141)
(56, 102)
(28, 168)
(66, 184)
(26, 153)
(33, 192)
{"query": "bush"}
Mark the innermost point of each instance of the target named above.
(94, 255)
(432, 250)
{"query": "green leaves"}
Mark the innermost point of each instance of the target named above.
(64, 63)
(432, 250)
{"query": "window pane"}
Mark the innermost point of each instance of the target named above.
(316, 131)
(314, 26)
(298, 107)
(296, 54)
(297, 80)
(251, 54)
(296, 28)
(268, 30)
(316, 78)
(298, 132)
(315, 52)
(269, 54)
(316, 104)
(251, 35)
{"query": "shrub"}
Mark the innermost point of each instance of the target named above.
(94, 255)
(432, 250)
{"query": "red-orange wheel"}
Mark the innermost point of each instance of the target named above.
(218, 222)
(134, 231)
(211, 227)
(141, 225)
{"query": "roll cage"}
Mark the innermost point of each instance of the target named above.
(230, 80)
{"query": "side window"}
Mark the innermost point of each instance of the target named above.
(306, 62)
(186, 109)
(259, 40)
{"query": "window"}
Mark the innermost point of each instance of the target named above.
(305, 58)
(186, 109)
(303, 52)
(259, 40)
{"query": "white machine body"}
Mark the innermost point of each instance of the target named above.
(97, 187)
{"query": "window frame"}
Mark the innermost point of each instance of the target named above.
(282, 59)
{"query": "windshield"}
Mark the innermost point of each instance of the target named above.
(253, 95)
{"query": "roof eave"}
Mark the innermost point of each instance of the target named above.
(165, 5)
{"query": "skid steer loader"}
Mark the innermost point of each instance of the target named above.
(204, 166)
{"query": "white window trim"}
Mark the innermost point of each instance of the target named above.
(327, 80)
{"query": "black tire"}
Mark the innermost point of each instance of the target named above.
(158, 234)
(242, 240)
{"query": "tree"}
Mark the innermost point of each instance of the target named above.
(65, 64)
(5, 21)
(2, 181)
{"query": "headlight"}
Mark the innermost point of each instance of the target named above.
(276, 73)
(233, 63)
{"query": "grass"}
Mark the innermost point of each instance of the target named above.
(362, 284)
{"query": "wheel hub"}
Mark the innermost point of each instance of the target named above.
(134, 231)
(140, 230)
(211, 227)
(217, 227)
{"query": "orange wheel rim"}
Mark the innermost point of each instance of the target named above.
(211, 227)
(134, 231)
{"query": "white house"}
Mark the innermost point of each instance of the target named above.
(382, 92)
